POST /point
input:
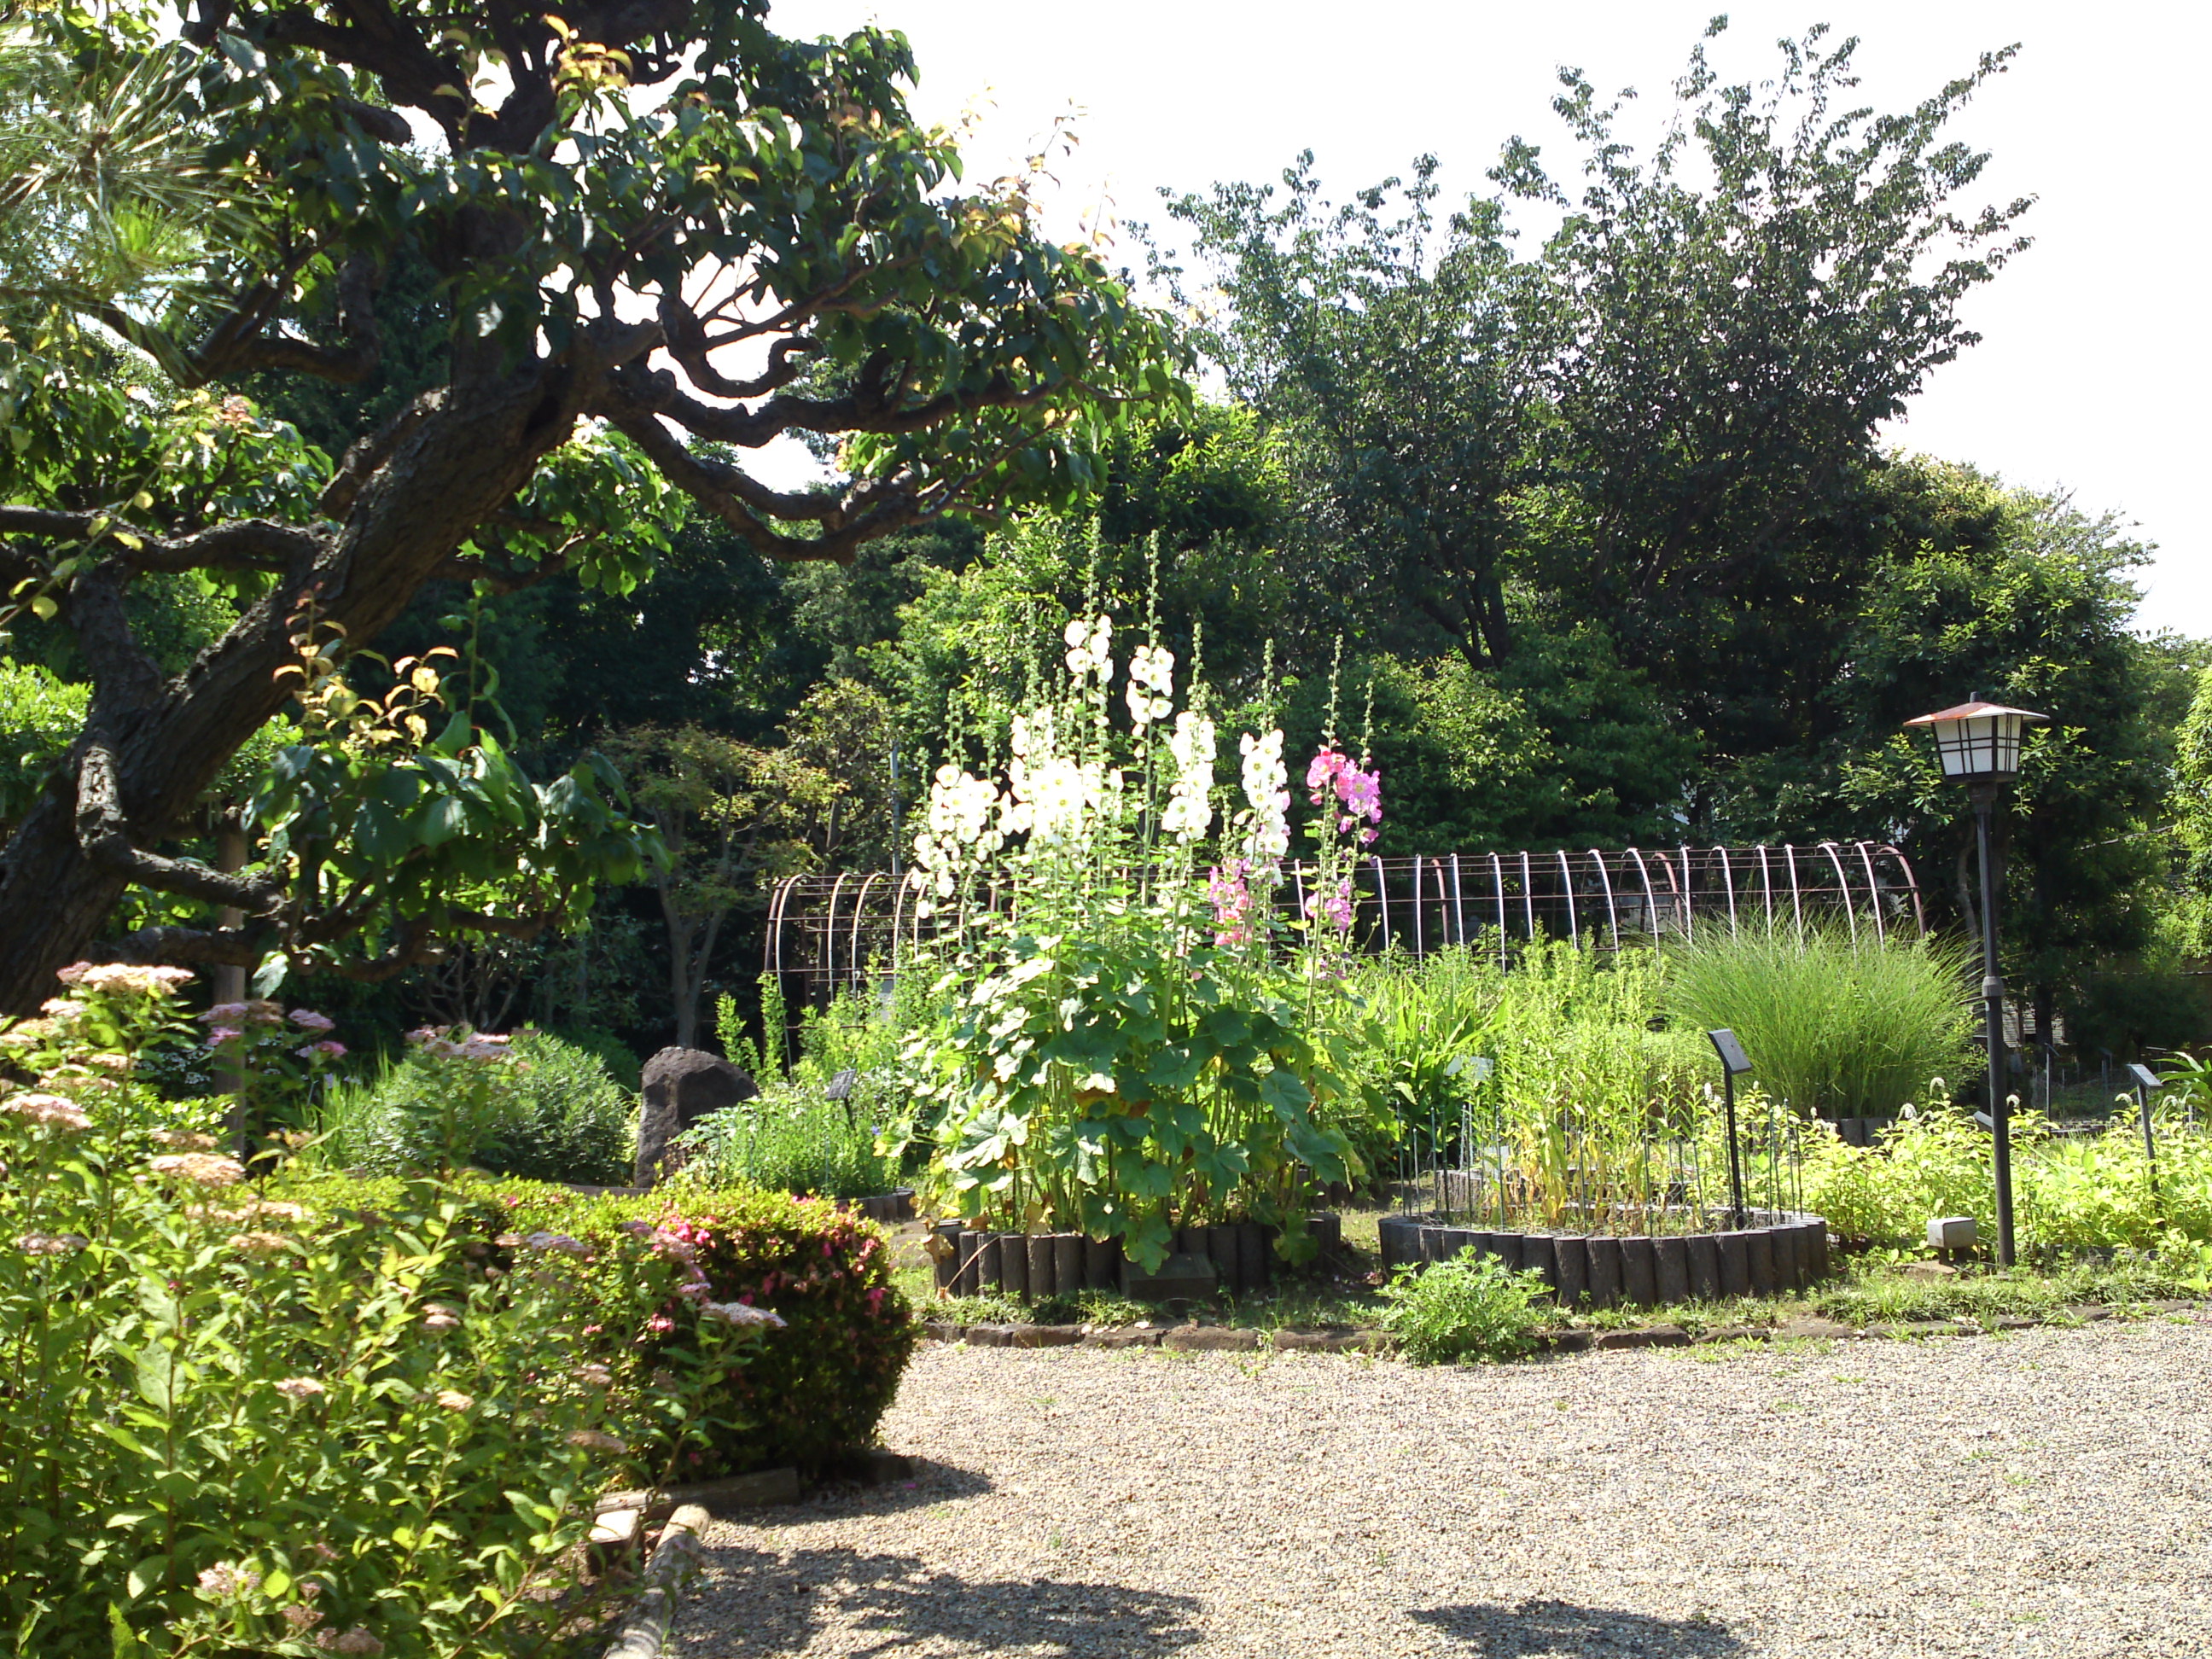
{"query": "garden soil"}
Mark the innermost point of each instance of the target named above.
(2043, 1492)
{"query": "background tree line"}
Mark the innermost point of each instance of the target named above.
(1600, 526)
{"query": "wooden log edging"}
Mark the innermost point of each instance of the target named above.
(893, 1206)
(645, 1629)
(1240, 1255)
(1779, 1252)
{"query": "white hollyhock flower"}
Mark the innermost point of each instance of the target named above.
(1267, 798)
(1190, 806)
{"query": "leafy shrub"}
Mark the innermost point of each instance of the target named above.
(622, 1062)
(552, 1113)
(239, 1423)
(789, 1139)
(1835, 1025)
(2069, 1191)
(1471, 1308)
(813, 1397)
(810, 1397)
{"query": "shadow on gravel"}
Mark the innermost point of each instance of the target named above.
(933, 1483)
(755, 1604)
(1558, 1630)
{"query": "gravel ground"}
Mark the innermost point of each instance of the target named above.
(2044, 1492)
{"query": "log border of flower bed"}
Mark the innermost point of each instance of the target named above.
(1777, 1252)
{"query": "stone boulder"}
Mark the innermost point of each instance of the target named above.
(682, 1085)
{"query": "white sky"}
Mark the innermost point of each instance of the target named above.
(2094, 359)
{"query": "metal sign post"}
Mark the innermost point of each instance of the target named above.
(2146, 1082)
(1733, 1060)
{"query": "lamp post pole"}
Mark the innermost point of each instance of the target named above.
(1979, 743)
(1985, 797)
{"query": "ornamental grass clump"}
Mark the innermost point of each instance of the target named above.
(1130, 1037)
(1837, 1024)
(235, 1422)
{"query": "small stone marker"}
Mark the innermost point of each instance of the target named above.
(1951, 1232)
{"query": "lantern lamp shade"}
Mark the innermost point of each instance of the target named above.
(1978, 742)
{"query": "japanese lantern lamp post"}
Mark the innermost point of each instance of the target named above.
(1978, 745)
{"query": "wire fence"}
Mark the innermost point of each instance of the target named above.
(846, 927)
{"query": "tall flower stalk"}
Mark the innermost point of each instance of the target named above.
(1122, 1052)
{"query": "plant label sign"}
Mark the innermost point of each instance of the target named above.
(1732, 1057)
(2144, 1076)
(841, 1086)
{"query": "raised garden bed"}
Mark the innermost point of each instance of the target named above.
(891, 1207)
(1778, 1251)
(1236, 1257)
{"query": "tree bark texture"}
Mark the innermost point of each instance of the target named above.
(169, 739)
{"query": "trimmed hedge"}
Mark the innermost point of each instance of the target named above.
(812, 1397)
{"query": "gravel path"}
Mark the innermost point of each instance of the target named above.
(2044, 1492)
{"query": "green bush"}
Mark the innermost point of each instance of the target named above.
(237, 1422)
(2069, 1191)
(814, 1396)
(1836, 1025)
(1471, 1308)
(820, 1387)
(788, 1139)
(549, 1113)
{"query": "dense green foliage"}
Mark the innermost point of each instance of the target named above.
(555, 1115)
(2069, 1191)
(827, 1375)
(1471, 1308)
(241, 1418)
(790, 1139)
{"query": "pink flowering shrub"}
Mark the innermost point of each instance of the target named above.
(699, 1262)
(811, 1394)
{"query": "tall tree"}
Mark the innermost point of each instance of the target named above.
(657, 228)
(1736, 314)
(1399, 359)
(731, 816)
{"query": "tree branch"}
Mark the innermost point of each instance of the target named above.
(239, 347)
(227, 947)
(104, 833)
(237, 545)
(657, 390)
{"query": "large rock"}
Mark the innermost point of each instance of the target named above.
(682, 1085)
